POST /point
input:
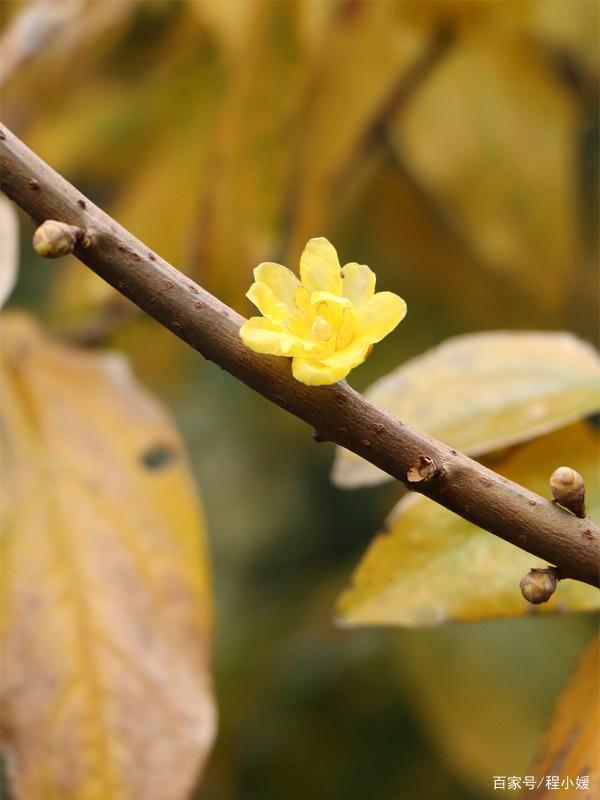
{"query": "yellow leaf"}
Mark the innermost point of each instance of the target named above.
(161, 163)
(432, 566)
(490, 135)
(365, 57)
(33, 28)
(228, 22)
(46, 97)
(106, 602)
(160, 202)
(485, 391)
(464, 14)
(571, 28)
(480, 692)
(572, 743)
(246, 193)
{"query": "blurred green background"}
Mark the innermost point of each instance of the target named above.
(452, 146)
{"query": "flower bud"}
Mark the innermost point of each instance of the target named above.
(568, 489)
(54, 239)
(538, 585)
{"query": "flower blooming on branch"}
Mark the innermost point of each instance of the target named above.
(327, 321)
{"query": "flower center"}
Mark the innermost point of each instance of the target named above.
(321, 329)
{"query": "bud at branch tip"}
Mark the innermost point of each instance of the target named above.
(54, 239)
(568, 489)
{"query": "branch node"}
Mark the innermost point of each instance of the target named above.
(539, 585)
(422, 470)
(568, 490)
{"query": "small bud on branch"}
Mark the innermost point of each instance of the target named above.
(539, 585)
(54, 239)
(568, 489)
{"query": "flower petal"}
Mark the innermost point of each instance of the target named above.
(351, 356)
(379, 315)
(262, 336)
(265, 336)
(345, 333)
(302, 300)
(264, 299)
(358, 283)
(335, 301)
(339, 315)
(280, 280)
(293, 345)
(334, 307)
(320, 267)
(315, 373)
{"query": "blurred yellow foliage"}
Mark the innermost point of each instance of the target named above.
(572, 743)
(483, 392)
(225, 134)
(106, 605)
(451, 145)
(430, 566)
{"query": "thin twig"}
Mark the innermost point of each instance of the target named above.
(337, 413)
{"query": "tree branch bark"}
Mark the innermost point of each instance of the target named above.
(337, 413)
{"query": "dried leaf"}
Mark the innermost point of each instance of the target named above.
(572, 743)
(431, 565)
(161, 164)
(490, 136)
(228, 22)
(35, 26)
(106, 602)
(480, 692)
(484, 391)
(253, 152)
(572, 27)
(347, 106)
(9, 248)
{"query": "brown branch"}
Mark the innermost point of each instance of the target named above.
(337, 413)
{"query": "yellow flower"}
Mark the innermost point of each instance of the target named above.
(327, 322)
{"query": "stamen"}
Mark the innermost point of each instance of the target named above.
(321, 329)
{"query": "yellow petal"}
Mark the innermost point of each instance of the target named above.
(315, 373)
(280, 280)
(262, 336)
(339, 313)
(379, 316)
(332, 300)
(264, 299)
(350, 356)
(358, 283)
(326, 323)
(320, 268)
(292, 345)
(346, 330)
(302, 299)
